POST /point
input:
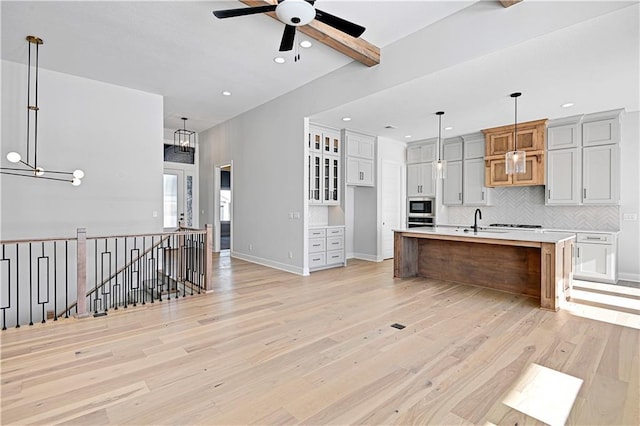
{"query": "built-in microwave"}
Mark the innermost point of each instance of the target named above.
(421, 207)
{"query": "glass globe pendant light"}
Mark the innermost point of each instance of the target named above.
(439, 168)
(515, 161)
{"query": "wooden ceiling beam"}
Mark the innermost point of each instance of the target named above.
(355, 48)
(507, 3)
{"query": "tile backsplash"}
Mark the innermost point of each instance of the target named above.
(525, 205)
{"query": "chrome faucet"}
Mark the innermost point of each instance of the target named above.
(475, 219)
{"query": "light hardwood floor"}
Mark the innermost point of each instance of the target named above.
(268, 347)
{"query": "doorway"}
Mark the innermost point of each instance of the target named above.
(391, 204)
(225, 207)
(178, 187)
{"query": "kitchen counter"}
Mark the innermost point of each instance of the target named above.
(533, 264)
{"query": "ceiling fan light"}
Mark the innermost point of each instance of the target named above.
(76, 181)
(78, 174)
(295, 12)
(13, 157)
(38, 171)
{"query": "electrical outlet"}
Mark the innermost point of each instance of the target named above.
(290, 215)
(296, 215)
(290, 255)
(630, 216)
(250, 247)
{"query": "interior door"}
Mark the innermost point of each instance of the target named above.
(178, 199)
(391, 204)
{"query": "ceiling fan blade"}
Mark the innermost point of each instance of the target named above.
(230, 13)
(288, 37)
(354, 30)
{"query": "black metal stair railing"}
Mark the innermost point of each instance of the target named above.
(40, 279)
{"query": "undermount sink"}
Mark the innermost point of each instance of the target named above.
(490, 231)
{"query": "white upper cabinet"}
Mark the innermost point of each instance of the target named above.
(420, 181)
(360, 158)
(452, 184)
(473, 189)
(421, 152)
(583, 159)
(564, 133)
(474, 145)
(362, 146)
(563, 177)
(602, 128)
(452, 149)
(324, 165)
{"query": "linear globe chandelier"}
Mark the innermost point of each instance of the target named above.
(24, 166)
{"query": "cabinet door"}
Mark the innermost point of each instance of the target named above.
(414, 175)
(529, 139)
(601, 174)
(331, 179)
(534, 172)
(474, 193)
(452, 149)
(452, 184)
(315, 138)
(359, 171)
(315, 178)
(601, 132)
(499, 143)
(423, 153)
(331, 142)
(564, 136)
(360, 146)
(420, 182)
(366, 172)
(496, 174)
(563, 177)
(473, 146)
(594, 261)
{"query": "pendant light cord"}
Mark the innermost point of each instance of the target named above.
(515, 128)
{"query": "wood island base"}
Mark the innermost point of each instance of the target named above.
(542, 270)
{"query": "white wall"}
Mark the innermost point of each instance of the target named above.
(629, 239)
(113, 133)
(266, 144)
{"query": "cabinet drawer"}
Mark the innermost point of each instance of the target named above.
(316, 233)
(317, 259)
(334, 232)
(316, 245)
(335, 243)
(335, 256)
(595, 238)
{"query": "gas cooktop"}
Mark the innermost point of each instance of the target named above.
(514, 225)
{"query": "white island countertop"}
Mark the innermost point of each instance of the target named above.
(442, 232)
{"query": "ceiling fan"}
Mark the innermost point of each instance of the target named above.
(294, 13)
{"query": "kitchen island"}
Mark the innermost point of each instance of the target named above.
(534, 264)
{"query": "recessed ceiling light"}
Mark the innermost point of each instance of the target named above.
(306, 44)
(346, 118)
(279, 60)
(448, 128)
(226, 93)
(567, 105)
(408, 136)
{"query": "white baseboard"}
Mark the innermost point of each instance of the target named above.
(363, 256)
(270, 263)
(628, 277)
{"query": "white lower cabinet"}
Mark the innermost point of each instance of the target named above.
(326, 247)
(596, 257)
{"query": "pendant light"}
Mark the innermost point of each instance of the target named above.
(184, 140)
(439, 168)
(26, 168)
(515, 161)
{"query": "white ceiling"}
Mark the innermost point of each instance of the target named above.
(182, 52)
(178, 49)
